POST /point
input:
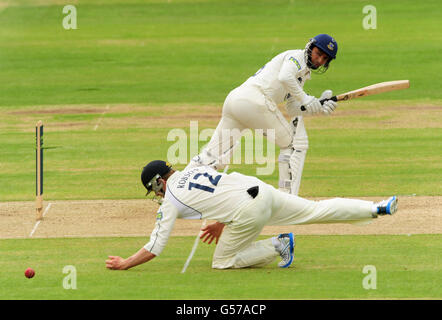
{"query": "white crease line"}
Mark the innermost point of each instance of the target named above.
(101, 117)
(38, 222)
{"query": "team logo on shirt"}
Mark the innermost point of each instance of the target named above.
(159, 215)
(296, 62)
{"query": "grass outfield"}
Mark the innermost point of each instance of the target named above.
(185, 51)
(186, 54)
(364, 149)
(325, 267)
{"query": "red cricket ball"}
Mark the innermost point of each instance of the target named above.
(29, 273)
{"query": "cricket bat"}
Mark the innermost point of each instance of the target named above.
(369, 90)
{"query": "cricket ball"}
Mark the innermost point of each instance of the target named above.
(29, 273)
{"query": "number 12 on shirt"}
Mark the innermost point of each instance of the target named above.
(213, 181)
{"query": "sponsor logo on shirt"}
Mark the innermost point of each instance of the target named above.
(159, 215)
(298, 65)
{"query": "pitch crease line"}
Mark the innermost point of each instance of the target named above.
(38, 222)
(101, 117)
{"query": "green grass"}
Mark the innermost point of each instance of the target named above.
(325, 267)
(189, 53)
(87, 164)
(81, 163)
(184, 51)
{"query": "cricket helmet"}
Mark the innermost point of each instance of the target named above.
(152, 172)
(327, 44)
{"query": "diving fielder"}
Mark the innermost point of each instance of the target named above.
(253, 105)
(242, 206)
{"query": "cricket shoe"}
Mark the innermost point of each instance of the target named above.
(388, 206)
(286, 252)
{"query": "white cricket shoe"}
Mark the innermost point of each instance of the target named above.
(286, 252)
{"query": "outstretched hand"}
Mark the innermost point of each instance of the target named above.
(211, 232)
(115, 263)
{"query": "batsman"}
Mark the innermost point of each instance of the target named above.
(254, 105)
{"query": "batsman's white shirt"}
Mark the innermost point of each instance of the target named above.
(254, 104)
(200, 193)
(285, 74)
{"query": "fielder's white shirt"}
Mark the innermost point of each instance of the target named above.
(199, 193)
(284, 74)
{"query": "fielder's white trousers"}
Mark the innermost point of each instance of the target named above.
(236, 248)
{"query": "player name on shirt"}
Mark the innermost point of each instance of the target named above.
(182, 182)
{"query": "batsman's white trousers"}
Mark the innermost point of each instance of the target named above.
(247, 108)
(236, 248)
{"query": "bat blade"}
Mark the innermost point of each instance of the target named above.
(369, 90)
(374, 89)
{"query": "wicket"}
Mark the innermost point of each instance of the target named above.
(39, 169)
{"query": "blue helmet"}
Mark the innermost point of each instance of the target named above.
(327, 44)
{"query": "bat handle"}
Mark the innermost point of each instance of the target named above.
(322, 102)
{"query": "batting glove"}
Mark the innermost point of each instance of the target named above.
(312, 105)
(329, 105)
(327, 94)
